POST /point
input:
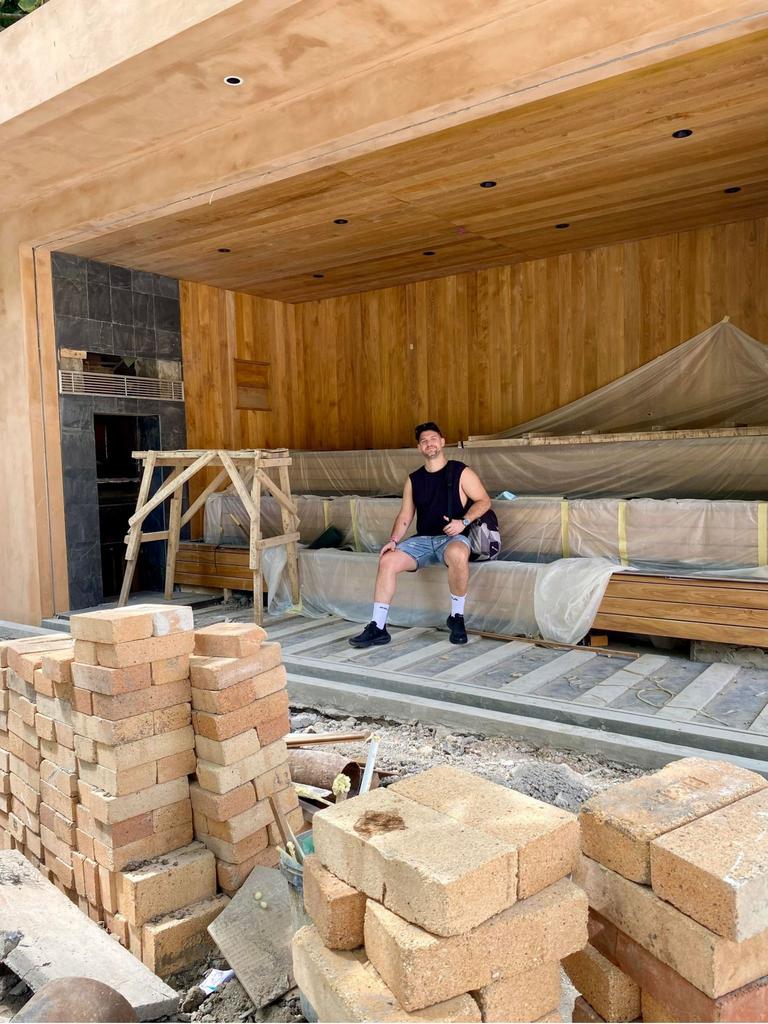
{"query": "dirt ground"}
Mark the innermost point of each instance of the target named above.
(557, 777)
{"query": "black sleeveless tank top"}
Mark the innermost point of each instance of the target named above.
(436, 495)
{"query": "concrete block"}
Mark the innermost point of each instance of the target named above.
(418, 862)
(228, 751)
(112, 625)
(112, 682)
(619, 824)
(421, 968)
(611, 992)
(181, 938)
(344, 986)
(240, 694)
(711, 963)
(167, 883)
(715, 869)
(545, 838)
(229, 640)
(337, 910)
(219, 673)
(523, 997)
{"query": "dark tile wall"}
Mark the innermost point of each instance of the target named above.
(111, 311)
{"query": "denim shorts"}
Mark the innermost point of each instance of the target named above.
(429, 550)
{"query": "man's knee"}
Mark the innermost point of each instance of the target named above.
(457, 554)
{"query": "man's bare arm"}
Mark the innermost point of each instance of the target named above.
(473, 488)
(403, 520)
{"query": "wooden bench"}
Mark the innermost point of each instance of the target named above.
(721, 611)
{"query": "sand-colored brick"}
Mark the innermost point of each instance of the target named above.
(178, 716)
(528, 996)
(219, 673)
(147, 750)
(229, 640)
(231, 876)
(108, 888)
(137, 652)
(85, 749)
(167, 883)
(118, 783)
(236, 853)
(546, 838)
(125, 730)
(418, 862)
(222, 778)
(337, 910)
(583, 1013)
(222, 806)
(65, 735)
(170, 670)
(715, 869)
(172, 816)
(228, 751)
(43, 685)
(274, 729)
(111, 809)
(240, 694)
(180, 939)
(45, 728)
(112, 625)
(273, 781)
(58, 754)
(655, 1011)
(619, 824)
(62, 779)
(344, 986)
(237, 827)
(421, 967)
(170, 618)
(711, 963)
(65, 805)
(116, 858)
(176, 766)
(118, 926)
(153, 699)
(606, 988)
(111, 682)
(57, 665)
(123, 833)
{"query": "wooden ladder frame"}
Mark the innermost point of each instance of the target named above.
(184, 466)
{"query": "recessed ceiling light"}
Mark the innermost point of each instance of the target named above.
(563, 225)
(731, 189)
(682, 133)
(233, 80)
(224, 250)
(318, 275)
(341, 220)
(428, 252)
(487, 184)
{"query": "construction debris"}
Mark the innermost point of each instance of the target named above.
(675, 866)
(456, 886)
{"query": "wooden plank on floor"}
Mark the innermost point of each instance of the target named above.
(397, 638)
(423, 654)
(684, 706)
(617, 684)
(481, 662)
(325, 636)
(537, 677)
(688, 630)
(300, 625)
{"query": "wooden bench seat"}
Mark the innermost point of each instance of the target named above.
(721, 611)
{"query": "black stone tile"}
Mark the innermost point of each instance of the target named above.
(168, 342)
(70, 297)
(99, 301)
(77, 332)
(141, 281)
(167, 314)
(111, 405)
(167, 286)
(143, 311)
(66, 266)
(98, 273)
(78, 450)
(120, 277)
(122, 306)
(76, 412)
(123, 343)
(145, 342)
(149, 432)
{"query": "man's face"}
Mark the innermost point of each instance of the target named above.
(431, 444)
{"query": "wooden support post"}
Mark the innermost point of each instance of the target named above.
(134, 534)
(174, 536)
(255, 543)
(290, 526)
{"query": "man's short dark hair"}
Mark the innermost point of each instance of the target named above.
(423, 427)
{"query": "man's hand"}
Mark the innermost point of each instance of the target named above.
(453, 527)
(391, 546)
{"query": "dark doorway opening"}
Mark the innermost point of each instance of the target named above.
(118, 476)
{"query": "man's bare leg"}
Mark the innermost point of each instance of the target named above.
(391, 564)
(456, 557)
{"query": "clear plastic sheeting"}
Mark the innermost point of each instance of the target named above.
(718, 378)
(557, 601)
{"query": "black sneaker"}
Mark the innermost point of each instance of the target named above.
(458, 630)
(371, 636)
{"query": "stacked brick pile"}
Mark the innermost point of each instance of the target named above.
(5, 764)
(675, 866)
(444, 895)
(240, 719)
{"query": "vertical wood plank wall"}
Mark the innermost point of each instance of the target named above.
(477, 352)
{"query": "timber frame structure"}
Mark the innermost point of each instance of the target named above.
(185, 466)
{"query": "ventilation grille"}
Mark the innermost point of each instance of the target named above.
(75, 382)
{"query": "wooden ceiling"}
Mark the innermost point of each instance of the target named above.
(601, 159)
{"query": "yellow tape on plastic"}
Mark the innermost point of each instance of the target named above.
(355, 532)
(564, 528)
(622, 525)
(762, 533)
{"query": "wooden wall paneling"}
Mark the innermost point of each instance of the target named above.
(418, 318)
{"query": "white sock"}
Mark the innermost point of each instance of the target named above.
(380, 612)
(457, 604)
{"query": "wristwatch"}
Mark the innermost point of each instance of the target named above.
(466, 522)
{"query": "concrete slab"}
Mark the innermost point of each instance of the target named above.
(61, 942)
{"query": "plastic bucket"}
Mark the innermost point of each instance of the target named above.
(293, 873)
